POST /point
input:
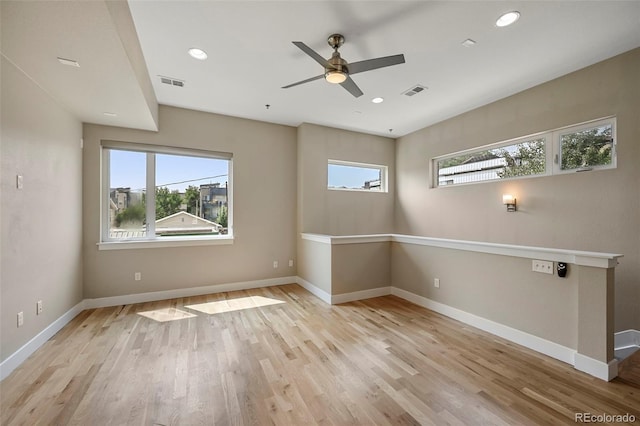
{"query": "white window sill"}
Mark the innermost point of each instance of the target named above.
(165, 242)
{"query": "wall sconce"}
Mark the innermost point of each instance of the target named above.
(510, 201)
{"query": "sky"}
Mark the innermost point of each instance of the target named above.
(178, 172)
(350, 177)
(173, 171)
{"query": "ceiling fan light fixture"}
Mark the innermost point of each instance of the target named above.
(335, 76)
(508, 18)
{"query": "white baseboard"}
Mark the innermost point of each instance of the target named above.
(184, 292)
(360, 295)
(538, 344)
(627, 339)
(18, 357)
(596, 368)
(316, 291)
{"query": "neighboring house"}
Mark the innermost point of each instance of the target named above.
(120, 199)
(181, 223)
(124, 197)
(113, 211)
(212, 198)
(185, 223)
(374, 185)
(475, 169)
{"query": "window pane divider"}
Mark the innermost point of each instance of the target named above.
(151, 196)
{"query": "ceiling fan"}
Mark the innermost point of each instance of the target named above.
(338, 71)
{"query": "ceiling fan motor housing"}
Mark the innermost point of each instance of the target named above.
(337, 63)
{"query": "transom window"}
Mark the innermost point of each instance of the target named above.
(587, 147)
(582, 147)
(155, 193)
(350, 176)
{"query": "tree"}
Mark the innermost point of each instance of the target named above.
(191, 198)
(167, 202)
(528, 159)
(223, 219)
(133, 214)
(587, 148)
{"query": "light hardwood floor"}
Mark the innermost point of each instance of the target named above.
(281, 356)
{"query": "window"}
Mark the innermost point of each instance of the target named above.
(587, 147)
(155, 193)
(580, 147)
(345, 175)
(526, 157)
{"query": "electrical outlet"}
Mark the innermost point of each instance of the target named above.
(38, 307)
(542, 266)
(436, 282)
(275, 264)
(290, 263)
(137, 276)
(20, 319)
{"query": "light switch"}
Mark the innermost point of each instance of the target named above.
(19, 182)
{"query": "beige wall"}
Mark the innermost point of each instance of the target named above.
(594, 211)
(264, 208)
(499, 288)
(358, 267)
(40, 224)
(330, 212)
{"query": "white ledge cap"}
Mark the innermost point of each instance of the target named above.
(576, 257)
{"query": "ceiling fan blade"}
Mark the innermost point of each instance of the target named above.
(316, 57)
(317, 77)
(372, 64)
(351, 87)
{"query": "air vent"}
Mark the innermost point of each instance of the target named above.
(171, 81)
(415, 90)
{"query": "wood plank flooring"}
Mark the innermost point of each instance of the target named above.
(281, 356)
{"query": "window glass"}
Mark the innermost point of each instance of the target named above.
(524, 158)
(587, 148)
(356, 176)
(190, 195)
(127, 186)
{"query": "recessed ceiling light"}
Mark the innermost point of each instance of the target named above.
(377, 100)
(508, 19)
(110, 114)
(198, 53)
(69, 62)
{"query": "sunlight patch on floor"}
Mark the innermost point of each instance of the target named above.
(166, 314)
(230, 305)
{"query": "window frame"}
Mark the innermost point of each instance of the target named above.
(152, 240)
(384, 179)
(552, 152)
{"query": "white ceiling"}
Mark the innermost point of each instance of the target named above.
(251, 55)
